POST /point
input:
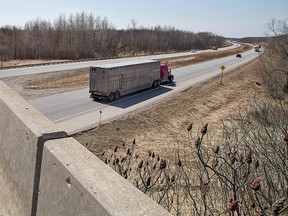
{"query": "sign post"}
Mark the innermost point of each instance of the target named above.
(100, 118)
(222, 68)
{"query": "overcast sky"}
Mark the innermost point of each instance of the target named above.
(228, 18)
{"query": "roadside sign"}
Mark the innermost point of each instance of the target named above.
(222, 68)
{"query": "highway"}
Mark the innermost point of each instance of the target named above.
(75, 111)
(82, 64)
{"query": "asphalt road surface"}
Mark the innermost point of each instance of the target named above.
(76, 65)
(75, 111)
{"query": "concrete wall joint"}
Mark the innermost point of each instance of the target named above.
(38, 163)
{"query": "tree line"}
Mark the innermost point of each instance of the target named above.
(83, 36)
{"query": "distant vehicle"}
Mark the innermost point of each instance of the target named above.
(214, 48)
(193, 51)
(238, 55)
(257, 48)
(109, 82)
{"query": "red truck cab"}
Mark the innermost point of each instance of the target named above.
(165, 74)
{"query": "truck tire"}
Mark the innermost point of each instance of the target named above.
(117, 95)
(111, 96)
(154, 84)
(158, 82)
(171, 78)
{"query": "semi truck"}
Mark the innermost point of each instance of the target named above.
(111, 81)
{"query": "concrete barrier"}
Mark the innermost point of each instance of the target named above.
(78, 183)
(44, 173)
(23, 131)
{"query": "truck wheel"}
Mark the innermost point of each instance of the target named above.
(158, 82)
(111, 96)
(171, 78)
(117, 95)
(154, 84)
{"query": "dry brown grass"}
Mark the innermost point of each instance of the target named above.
(19, 62)
(71, 78)
(81, 77)
(186, 60)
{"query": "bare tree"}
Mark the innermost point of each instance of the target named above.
(275, 64)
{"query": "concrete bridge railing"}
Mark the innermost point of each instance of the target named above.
(44, 172)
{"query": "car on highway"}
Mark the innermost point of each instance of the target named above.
(238, 55)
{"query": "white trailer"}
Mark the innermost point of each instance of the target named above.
(111, 81)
